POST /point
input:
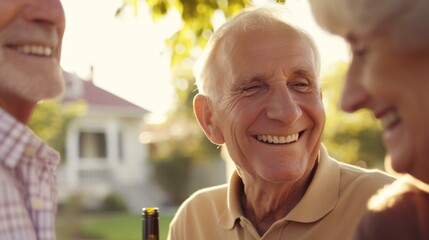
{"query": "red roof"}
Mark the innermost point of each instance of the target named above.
(97, 98)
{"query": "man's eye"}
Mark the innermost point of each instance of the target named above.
(249, 90)
(303, 87)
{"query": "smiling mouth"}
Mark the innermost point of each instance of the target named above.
(34, 50)
(271, 139)
(390, 119)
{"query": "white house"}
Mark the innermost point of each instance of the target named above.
(103, 151)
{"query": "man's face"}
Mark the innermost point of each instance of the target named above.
(393, 84)
(271, 114)
(31, 32)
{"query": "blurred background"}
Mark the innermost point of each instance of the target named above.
(125, 126)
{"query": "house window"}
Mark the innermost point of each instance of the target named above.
(92, 145)
(120, 147)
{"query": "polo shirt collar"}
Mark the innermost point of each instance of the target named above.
(233, 211)
(322, 194)
(17, 141)
(319, 199)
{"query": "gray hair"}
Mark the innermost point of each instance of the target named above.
(211, 66)
(405, 21)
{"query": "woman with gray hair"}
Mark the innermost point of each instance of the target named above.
(389, 75)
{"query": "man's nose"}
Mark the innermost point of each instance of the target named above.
(283, 106)
(50, 12)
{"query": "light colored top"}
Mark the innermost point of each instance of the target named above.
(27, 183)
(330, 209)
(398, 211)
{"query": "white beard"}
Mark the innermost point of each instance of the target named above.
(34, 87)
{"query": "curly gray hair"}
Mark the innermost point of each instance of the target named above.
(405, 21)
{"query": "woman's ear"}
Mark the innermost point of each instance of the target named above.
(204, 115)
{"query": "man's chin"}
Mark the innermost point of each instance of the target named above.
(54, 91)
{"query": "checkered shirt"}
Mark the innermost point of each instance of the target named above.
(27, 183)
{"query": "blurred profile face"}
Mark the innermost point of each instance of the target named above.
(31, 32)
(270, 115)
(393, 84)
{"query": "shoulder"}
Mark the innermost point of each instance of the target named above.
(351, 176)
(200, 211)
(208, 199)
(399, 194)
(390, 223)
(360, 177)
(210, 194)
(395, 212)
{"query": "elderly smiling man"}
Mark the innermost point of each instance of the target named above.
(259, 95)
(30, 44)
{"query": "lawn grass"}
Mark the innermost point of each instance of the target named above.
(117, 226)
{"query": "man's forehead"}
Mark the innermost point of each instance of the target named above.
(260, 40)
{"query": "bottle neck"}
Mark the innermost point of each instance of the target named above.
(150, 225)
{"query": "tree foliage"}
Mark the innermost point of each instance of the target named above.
(173, 158)
(197, 17)
(50, 120)
(349, 137)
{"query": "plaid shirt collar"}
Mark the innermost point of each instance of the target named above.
(16, 140)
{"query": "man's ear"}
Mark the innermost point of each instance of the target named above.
(204, 115)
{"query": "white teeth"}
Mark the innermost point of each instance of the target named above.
(35, 50)
(389, 118)
(264, 138)
(278, 140)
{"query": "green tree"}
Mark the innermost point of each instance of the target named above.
(349, 137)
(173, 158)
(50, 120)
(197, 17)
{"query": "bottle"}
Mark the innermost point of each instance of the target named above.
(150, 224)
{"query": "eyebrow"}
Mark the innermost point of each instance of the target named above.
(246, 79)
(304, 71)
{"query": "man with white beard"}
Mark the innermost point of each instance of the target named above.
(31, 33)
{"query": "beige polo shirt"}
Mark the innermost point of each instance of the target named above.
(330, 209)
